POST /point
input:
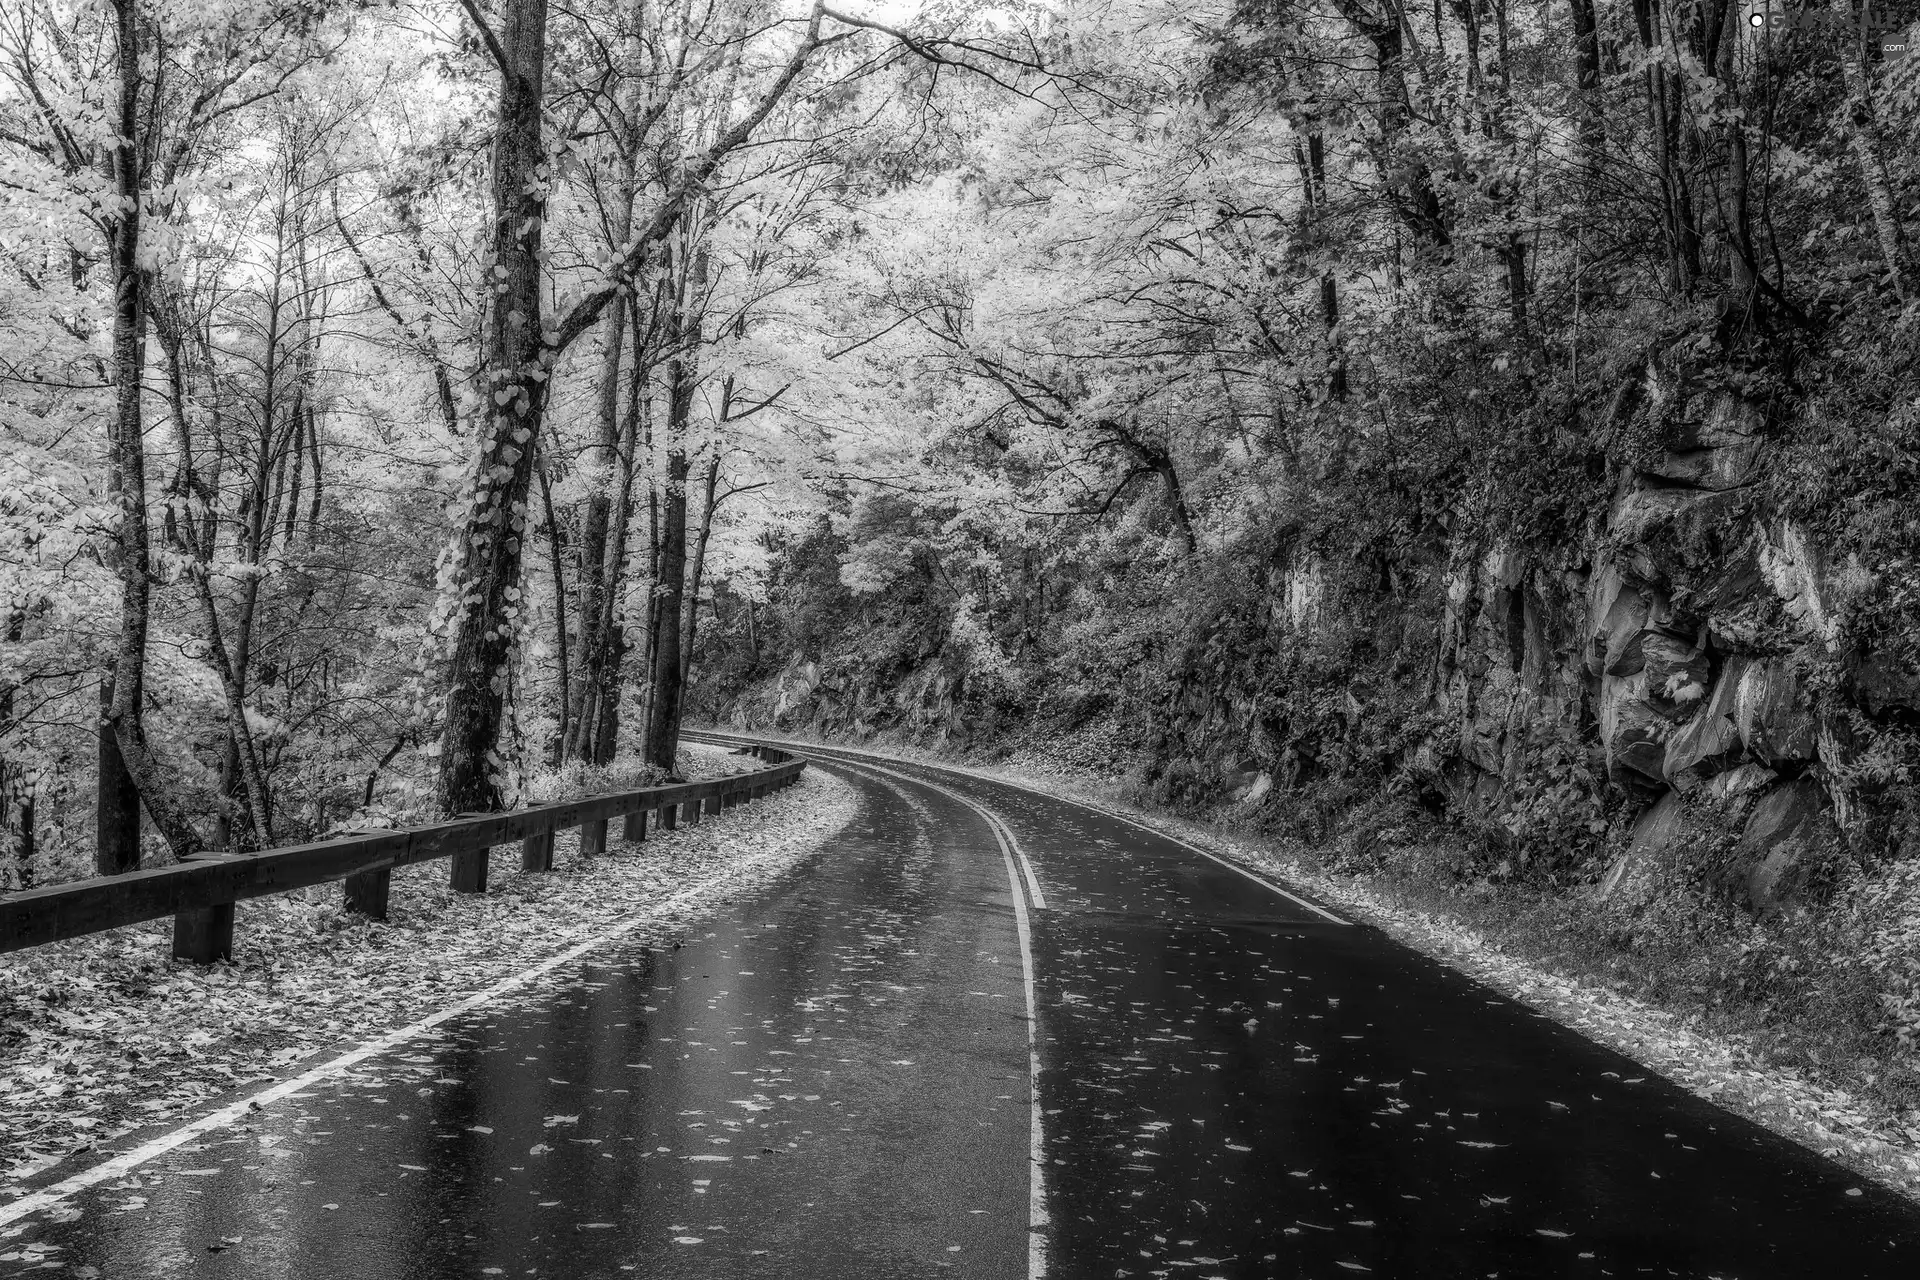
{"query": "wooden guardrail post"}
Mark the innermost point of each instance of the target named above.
(669, 817)
(690, 812)
(205, 934)
(536, 852)
(634, 829)
(367, 892)
(469, 870)
(593, 838)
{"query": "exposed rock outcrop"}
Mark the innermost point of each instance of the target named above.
(1788, 844)
(1693, 629)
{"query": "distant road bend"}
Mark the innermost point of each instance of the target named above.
(836, 1078)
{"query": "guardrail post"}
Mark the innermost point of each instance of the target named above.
(634, 829)
(669, 816)
(593, 838)
(367, 892)
(715, 804)
(536, 852)
(469, 872)
(205, 934)
(691, 812)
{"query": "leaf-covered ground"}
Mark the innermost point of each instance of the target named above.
(107, 1034)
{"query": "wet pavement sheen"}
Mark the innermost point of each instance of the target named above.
(831, 1080)
(1236, 1087)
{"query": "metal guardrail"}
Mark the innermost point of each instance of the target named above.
(200, 892)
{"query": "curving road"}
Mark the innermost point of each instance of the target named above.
(835, 1079)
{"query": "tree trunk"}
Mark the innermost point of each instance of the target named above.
(1514, 255)
(1176, 501)
(239, 737)
(708, 486)
(606, 733)
(1314, 176)
(593, 533)
(613, 630)
(684, 332)
(1586, 51)
(16, 791)
(514, 380)
(1863, 139)
(129, 774)
(563, 677)
(663, 721)
(1407, 179)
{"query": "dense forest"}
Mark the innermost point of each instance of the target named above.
(1337, 415)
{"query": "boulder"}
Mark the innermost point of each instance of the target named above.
(1716, 443)
(1496, 720)
(1787, 841)
(1711, 740)
(1626, 651)
(1717, 420)
(1734, 599)
(1776, 725)
(1612, 605)
(1737, 784)
(1676, 674)
(1725, 468)
(1659, 830)
(1634, 733)
(1815, 588)
(1642, 513)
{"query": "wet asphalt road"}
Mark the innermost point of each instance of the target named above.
(832, 1080)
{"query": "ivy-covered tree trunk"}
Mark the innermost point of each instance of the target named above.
(514, 375)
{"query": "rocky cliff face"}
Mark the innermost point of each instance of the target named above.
(1699, 644)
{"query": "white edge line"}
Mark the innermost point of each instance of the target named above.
(1037, 1217)
(127, 1161)
(1320, 911)
(1262, 881)
(1033, 881)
